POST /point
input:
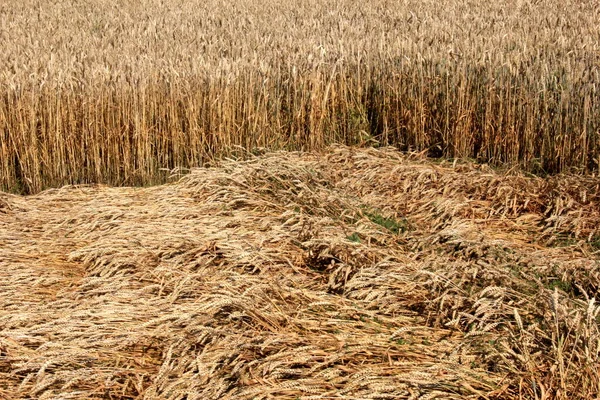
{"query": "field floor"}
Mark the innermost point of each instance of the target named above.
(346, 274)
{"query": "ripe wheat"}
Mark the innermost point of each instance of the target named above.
(118, 92)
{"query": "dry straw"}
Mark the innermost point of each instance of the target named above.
(347, 274)
(111, 91)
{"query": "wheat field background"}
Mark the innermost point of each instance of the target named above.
(117, 92)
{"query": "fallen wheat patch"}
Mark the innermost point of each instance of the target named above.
(346, 274)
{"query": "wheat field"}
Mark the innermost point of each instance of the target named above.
(346, 274)
(311, 199)
(120, 92)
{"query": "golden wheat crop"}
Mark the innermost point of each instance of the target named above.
(350, 274)
(120, 91)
